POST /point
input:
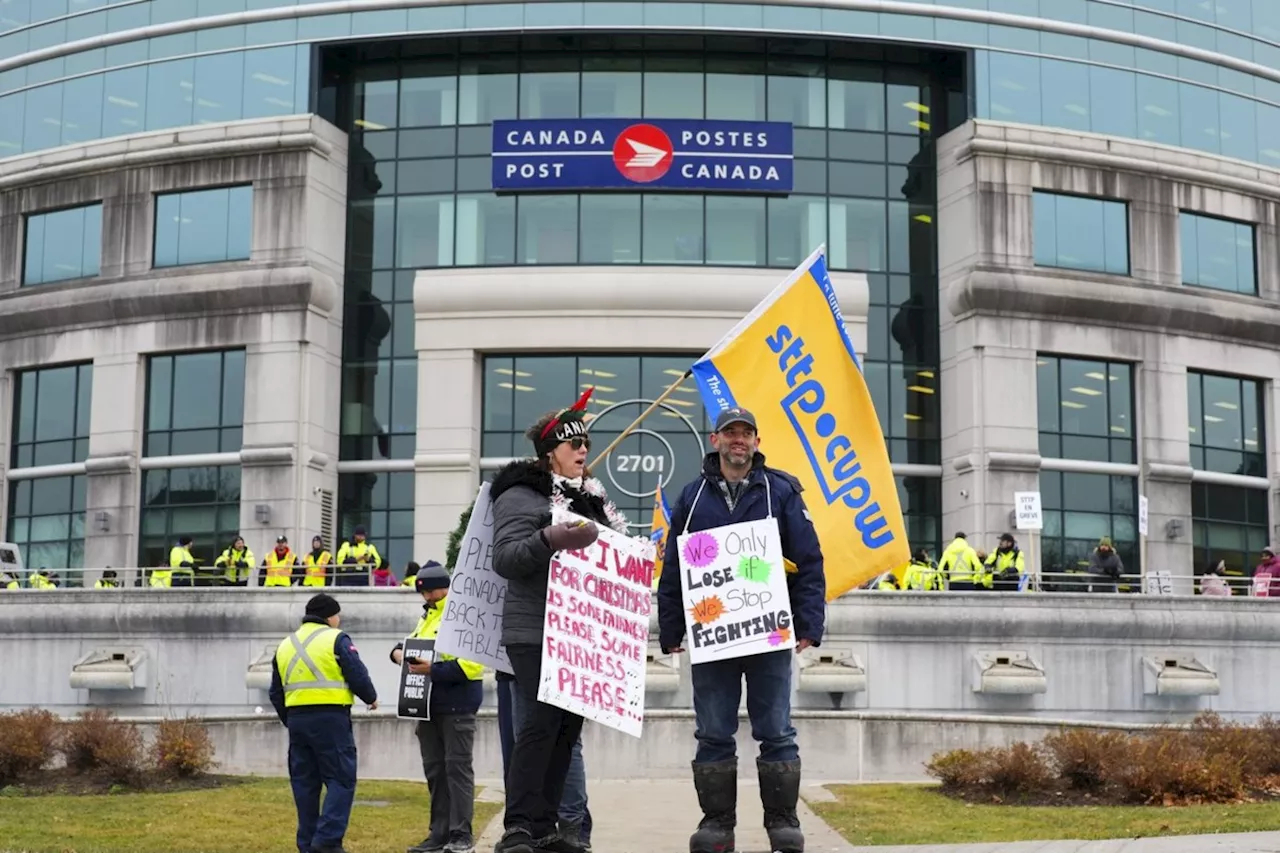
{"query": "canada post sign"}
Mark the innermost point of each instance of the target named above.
(649, 154)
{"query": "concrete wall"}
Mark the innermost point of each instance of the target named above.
(998, 310)
(917, 652)
(283, 306)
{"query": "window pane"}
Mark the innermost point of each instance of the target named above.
(611, 88)
(428, 95)
(485, 230)
(63, 245)
(180, 424)
(610, 229)
(797, 226)
(735, 231)
(1081, 233)
(203, 226)
(424, 231)
(51, 421)
(547, 229)
(672, 229)
(202, 503)
(1217, 253)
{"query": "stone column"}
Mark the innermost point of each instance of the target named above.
(1165, 451)
(6, 426)
(113, 485)
(447, 464)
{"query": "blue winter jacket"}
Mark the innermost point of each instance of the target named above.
(807, 585)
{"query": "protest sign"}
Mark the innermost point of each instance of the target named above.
(735, 591)
(415, 690)
(596, 634)
(471, 626)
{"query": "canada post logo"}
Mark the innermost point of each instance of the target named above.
(650, 154)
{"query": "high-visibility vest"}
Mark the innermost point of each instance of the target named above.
(921, 576)
(230, 558)
(317, 570)
(412, 580)
(103, 583)
(280, 569)
(177, 556)
(309, 669)
(39, 581)
(161, 577)
(960, 562)
(364, 555)
(998, 562)
(13, 585)
(429, 627)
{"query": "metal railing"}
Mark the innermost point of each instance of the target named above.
(141, 578)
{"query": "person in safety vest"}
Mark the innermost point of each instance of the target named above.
(279, 565)
(1005, 566)
(411, 573)
(8, 581)
(316, 676)
(181, 565)
(355, 560)
(316, 564)
(237, 562)
(447, 740)
(107, 581)
(42, 578)
(961, 566)
(736, 485)
(922, 574)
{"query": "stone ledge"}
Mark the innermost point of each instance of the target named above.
(121, 464)
(1166, 473)
(234, 290)
(264, 457)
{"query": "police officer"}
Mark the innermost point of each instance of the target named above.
(316, 673)
(447, 740)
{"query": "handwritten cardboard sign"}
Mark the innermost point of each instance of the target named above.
(596, 634)
(735, 591)
(415, 690)
(471, 626)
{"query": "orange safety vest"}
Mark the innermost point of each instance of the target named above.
(280, 569)
(317, 571)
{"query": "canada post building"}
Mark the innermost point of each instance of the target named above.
(282, 266)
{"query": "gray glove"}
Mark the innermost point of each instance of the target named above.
(570, 535)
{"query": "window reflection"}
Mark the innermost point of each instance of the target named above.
(46, 521)
(180, 424)
(1226, 429)
(1229, 524)
(1085, 409)
(203, 503)
(203, 226)
(384, 504)
(1217, 253)
(1079, 510)
(51, 416)
(63, 244)
(547, 229)
(672, 229)
(1080, 233)
(610, 229)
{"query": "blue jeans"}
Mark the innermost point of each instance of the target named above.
(322, 752)
(717, 692)
(573, 802)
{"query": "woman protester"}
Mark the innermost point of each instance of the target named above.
(524, 494)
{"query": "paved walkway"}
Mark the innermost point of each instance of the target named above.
(648, 816)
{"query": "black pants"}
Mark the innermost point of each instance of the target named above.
(542, 752)
(447, 743)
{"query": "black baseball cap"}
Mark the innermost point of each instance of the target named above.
(735, 416)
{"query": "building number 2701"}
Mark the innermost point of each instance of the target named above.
(635, 463)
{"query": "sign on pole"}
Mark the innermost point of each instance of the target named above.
(596, 633)
(1142, 515)
(735, 591)
(415, 690)
(471, 626)
(1029, 515)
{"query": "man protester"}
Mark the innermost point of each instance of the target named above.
(316, 676)
(736, 486)
(447, 739)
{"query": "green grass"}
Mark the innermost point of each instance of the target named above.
(256, 816)
(919, 814)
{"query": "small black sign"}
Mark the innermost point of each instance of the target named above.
(415, 690)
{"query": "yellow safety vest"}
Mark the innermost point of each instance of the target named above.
(39, 581)
(921, 576)
(309, 667)
(429, 627)
(13, 585)
(280, 569)
(410, 581)
(177, 556)
(961, 563)
(161, 577)
(106, 584)
(317, 570)
(229, 559)
(997, 563)
(364, 554)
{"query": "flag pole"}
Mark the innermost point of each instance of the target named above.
(649, 411)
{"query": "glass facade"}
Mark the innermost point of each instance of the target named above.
(50, 427)
(1078, 233)
(203, 503)
(1085, 412)
(203, 226)
(211, 421)
(1226, 426)
(62, 245)
(383, 503)
(1024, 74)
(1217, 253)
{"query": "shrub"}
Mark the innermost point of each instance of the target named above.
(959, 769)
(454, 544)
(28, 742)
(1086, 758)
(182, 748)
(1170, 766)
(96, 740)
(1020, 769)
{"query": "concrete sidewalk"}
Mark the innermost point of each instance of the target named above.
(658, 816)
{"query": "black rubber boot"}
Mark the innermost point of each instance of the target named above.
(779, 793)
(717, 787)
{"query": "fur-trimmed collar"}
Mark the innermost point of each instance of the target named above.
(590, 500)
